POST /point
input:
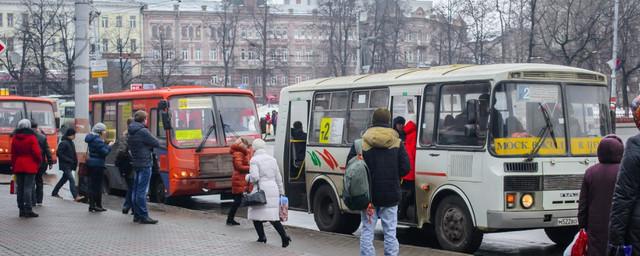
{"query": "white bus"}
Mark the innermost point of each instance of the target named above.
(499, 147)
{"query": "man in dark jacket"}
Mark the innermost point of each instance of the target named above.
(141, 144)
(388, 162)
(47, 161)
(624, 223)
(67, 163)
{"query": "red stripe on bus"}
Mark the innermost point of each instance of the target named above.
(439, 174)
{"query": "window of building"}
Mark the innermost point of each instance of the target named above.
(285, 55)
(191, 32)
(134, 45)
(156, 54)
(197, 54)
(252, 54)
(243, 54)
(154, 31)
(105, 45)
(185, 54)
(214, 79)
(9, 42)
(258, 81)
(245, 80)
(329, 114)
(298, 1)
(213, 54)
(105, 22)
(198, 33)
(453, 104)
(9, 19)
(118, 21)
(274, 80)
(285, 80)
(132, 21)
(119, 46)
(298, 79)
(184, 32)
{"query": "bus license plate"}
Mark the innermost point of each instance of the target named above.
(568, 221)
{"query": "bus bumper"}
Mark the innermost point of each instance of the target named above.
(194, 187)
(531, 219)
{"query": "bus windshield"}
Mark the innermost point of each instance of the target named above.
(518, 119)
(42, 114)
(10, 113)
(195, 116)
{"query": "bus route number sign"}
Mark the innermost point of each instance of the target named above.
(325, 130)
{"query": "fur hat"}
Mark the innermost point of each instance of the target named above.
(99, 128)
(24, 123)
(381, 117)
(258, 144)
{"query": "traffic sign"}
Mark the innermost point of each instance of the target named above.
(2, 47)
(99, 69)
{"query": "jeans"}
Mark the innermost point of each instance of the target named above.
(96, 175)
(38, 195)
(127, 198)
(237, 201)
(24, 187)
(140, 189)
(389, 217)
(67, 175)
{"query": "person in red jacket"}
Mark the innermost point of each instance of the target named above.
(241, 157)
(25, 162)
(408, 181)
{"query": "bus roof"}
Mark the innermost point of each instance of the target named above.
(167, 92)
(460, 72)
(22, 98)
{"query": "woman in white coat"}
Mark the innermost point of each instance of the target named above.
(265, 174)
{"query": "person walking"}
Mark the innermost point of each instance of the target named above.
(265, 175)
(240, 151)
(274, 121)
(624, 220)
(67, 162)
(596, 193)
(123, 162)
(47, 162)
(398, 125)
(141, 144)
(408, 181)
(387, 162)
(267, 118)
(26, 156)
(98, 151)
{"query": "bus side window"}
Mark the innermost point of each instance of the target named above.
(329, 111)
(124, 113)
(454, 98)
(363, 104)
(110, 120)
(429, 115)
(157, 128)
(96, 116)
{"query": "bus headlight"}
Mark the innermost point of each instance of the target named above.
(526, 201)
(510, 199)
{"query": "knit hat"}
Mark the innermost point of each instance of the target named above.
(381, 117)
(99, 128)
(24, 123)
(398, 120)
(258, 144)
(70, 132)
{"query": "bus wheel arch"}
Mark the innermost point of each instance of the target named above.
(326, 210)
(453, 222)
(157, 193)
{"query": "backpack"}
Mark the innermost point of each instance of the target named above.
(356, 191)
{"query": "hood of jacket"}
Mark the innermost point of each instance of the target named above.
(135, 127)
(91, 137)
(410, 128)
(610, 150)
(22, 134)
(237, 148)
(380, 137)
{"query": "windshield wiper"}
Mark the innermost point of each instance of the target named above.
(204, 140)
(544, 132)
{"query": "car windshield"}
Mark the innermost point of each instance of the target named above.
(192, 117)
(42, 114)
(11, 112)
(238, 114)
(518, 119)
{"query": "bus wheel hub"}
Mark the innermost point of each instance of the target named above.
(453, 225)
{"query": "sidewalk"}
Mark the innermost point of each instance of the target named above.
(67, 228)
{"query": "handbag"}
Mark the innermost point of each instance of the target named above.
(284, 208)
(255, 198)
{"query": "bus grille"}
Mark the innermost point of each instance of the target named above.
(563, 182)
(214, 166)
(522, 183)
(521, 167)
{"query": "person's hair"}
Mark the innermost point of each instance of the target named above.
(245, 141)
(70, 132)
(34, 125)
(129, 120)
(24, 123)
(297, 125)
(140, 116)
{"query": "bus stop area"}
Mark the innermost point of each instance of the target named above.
(67, 228)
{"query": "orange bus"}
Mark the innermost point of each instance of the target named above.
(15, 108)
(195, 126)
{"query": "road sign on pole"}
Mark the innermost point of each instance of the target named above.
(2, 47)
(99, 69)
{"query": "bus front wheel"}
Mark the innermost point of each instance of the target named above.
(454, 227)
(329, 217)
(561, 236)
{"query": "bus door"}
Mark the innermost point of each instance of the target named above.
(295, 152)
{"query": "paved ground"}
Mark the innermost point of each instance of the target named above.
(66, 228)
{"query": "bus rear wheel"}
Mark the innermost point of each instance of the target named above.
(157, 192)
(561, 236)
(329, 217)
(454, 227)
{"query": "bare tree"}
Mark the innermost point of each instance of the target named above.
(64, 22)
(385, 25)
(17, 63)
(164, 61)
(481, 21)
(44, 29)
(262, 20)
(227, 35)
(338, 22)
(629, 51)
(126, 49)
(450, 32)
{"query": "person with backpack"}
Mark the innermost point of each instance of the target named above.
(123, 162)
(67, 162)
(387, 162)
(47, 162)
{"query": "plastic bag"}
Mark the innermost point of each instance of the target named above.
(579, 241)
(12, 186)
(284, 208)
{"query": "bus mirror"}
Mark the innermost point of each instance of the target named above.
(166, 120)
(473, 111)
